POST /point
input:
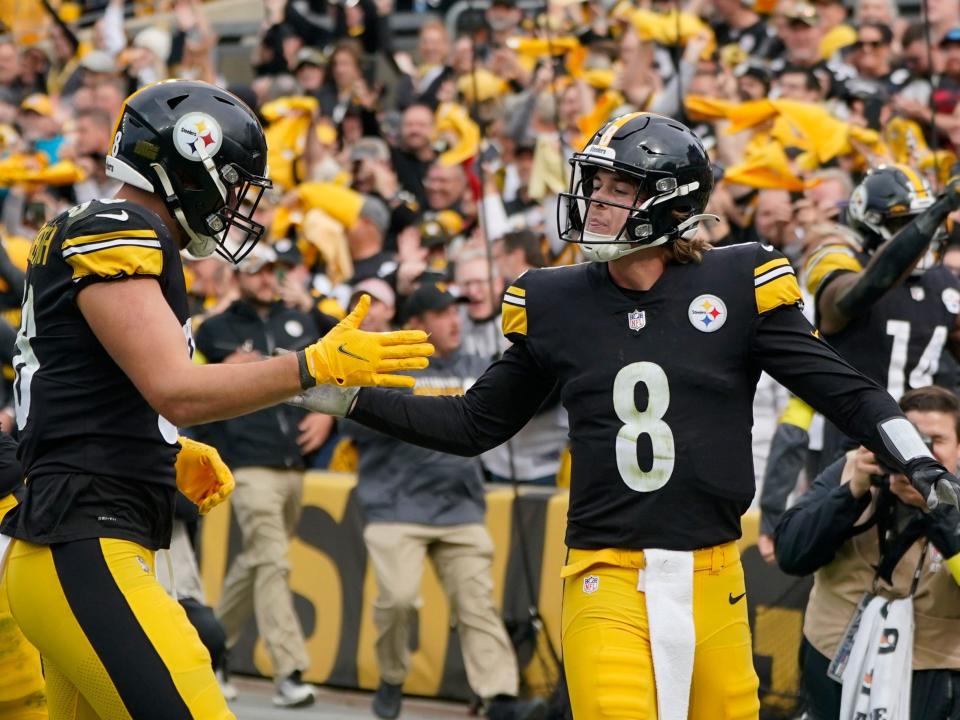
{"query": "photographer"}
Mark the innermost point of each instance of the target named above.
(876, 553)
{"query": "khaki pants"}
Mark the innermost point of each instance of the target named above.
(462, 556)
(267, 505)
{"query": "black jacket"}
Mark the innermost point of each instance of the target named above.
(266, 438)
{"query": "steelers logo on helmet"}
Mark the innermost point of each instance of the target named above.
(197, 135)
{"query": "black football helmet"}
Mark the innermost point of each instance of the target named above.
(887, 199)
(670, 168)
(202, 150)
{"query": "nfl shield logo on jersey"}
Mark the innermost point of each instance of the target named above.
(591, 584)
(637, 319)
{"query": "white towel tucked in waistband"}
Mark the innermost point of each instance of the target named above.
(667, 581)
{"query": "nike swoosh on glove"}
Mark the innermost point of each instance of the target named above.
(202, 475)
(933, 481)
(348, 356)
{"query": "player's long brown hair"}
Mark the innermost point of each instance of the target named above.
(684, 251)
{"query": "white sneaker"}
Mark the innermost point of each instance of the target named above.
(226, 687)
(293, 692)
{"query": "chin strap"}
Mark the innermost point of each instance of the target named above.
(200, 246)
(688, 227)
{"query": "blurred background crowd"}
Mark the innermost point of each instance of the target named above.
(417, 149)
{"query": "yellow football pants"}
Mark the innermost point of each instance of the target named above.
(21, 677)
(115, 646)
(606, 640)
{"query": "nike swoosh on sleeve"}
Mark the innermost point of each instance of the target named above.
(122, 216)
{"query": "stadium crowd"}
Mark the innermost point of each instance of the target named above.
(429, 178)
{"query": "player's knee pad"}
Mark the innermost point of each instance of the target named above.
(623, 688)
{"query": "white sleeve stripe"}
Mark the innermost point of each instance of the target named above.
(513, 300)
(94, 247)
(772, 274)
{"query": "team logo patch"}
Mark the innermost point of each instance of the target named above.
(591, 584)
(636, 320)
(707, 313)
(951, 300)
(197, 132)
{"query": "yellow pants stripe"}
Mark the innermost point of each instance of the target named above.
(115, 644)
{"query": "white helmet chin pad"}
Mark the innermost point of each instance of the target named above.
(601, 248)
(200, 246)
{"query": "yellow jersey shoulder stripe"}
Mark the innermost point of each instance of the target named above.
(117, 258)
(518, 291)
(514, 318)
(827, 260)
(767, 266)
(776, 291)
(103, 237)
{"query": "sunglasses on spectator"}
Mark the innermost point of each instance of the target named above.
(873, 44)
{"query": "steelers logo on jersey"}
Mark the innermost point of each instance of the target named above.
(707, 313)
(197, 135)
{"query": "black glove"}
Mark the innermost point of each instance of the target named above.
(943, 530)
(932, 480)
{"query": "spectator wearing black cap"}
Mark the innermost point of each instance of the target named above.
(420, 503)
(753, 81)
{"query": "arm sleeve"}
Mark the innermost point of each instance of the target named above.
(501, 402)
(810, 533)
(891, 261)
(788, 348)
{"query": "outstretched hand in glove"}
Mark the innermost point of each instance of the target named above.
(347, 356)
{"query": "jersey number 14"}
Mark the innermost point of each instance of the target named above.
(927, 365)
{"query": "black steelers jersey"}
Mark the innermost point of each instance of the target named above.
(99, 460)
(659, 388)
(899, 340)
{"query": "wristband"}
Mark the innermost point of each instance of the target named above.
(307, 380)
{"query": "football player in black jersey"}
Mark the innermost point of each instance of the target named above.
(656, 346)
(882, 298)
(104, 377)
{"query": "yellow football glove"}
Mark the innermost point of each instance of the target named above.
(201, 475)
(348, 356)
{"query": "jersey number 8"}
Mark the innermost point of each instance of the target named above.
(638, 422)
